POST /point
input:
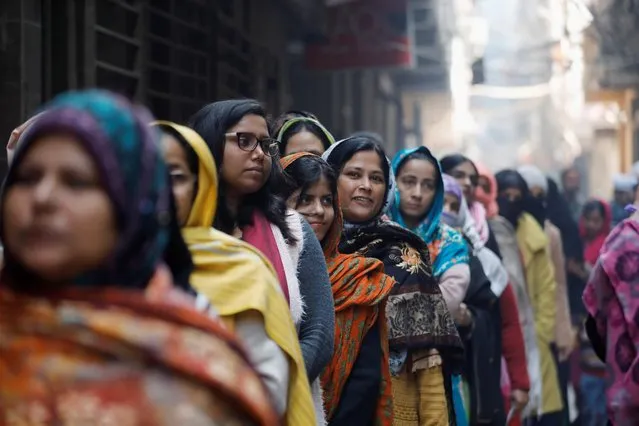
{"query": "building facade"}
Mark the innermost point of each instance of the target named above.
(171, 55)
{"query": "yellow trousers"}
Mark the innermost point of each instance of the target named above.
(419, 398)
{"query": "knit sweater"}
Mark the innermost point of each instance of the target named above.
(318, 326)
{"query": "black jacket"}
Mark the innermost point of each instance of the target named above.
(483, 350)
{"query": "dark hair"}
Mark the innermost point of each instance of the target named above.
(510, 178)
(449, 162)
(212, 122)
(567, 170)
(375, 137)
(279, 122)
(342, 153)
(306, 172)
(303, 126)
(593, 206)
(560, 216)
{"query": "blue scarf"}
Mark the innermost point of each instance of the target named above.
(446, 245)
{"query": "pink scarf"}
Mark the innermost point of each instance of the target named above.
(487, 199)
(478, 213)
(260, 235)
(611, 298)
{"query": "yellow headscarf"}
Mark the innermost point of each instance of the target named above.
(238, 279)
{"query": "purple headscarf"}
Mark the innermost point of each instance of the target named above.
(451, 186)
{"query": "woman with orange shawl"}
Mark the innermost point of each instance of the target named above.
(94, 325)
(356, 383)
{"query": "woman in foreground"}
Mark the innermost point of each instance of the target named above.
(92, 326)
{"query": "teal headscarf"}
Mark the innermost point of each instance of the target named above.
(116, 134)
(447, 246)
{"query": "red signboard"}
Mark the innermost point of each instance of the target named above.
(363, 34)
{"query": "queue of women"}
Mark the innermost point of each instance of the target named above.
(229, 271)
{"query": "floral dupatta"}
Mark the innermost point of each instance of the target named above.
(417, 314)
(85, 355)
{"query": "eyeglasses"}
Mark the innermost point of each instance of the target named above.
(249, 141)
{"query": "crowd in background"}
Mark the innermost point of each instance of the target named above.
(240, 270)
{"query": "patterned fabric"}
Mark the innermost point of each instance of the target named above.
(611, 299)
(120, 357)
(360, 290)
(417, 314)
(446, 246)
(238, 278)
(117, 136)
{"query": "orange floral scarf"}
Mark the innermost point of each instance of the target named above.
(360, 290)
(83, 356)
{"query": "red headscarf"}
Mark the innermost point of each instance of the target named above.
(488, 199)
(593, 247)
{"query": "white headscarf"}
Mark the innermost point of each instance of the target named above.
(534, 177)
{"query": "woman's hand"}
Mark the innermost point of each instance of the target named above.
(463, 316)
(519, 399)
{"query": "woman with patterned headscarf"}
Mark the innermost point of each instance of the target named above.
(92, 323)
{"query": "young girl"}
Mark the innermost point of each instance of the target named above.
(356, 383)
(418, 205)
(236, 277)
(304, 134)
(237, 135)
(422, 336)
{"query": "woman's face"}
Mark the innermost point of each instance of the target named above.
(59, 221)
(485, 184)
(537, 192)
(304, 141)
(183, 179)
(361, 187)
(244, 172)
(316, 205)
(467, 177)
(511, 194)
(452, 204)
(417, 184)
(593, 223)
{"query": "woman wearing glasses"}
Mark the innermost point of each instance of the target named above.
(236, 132)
